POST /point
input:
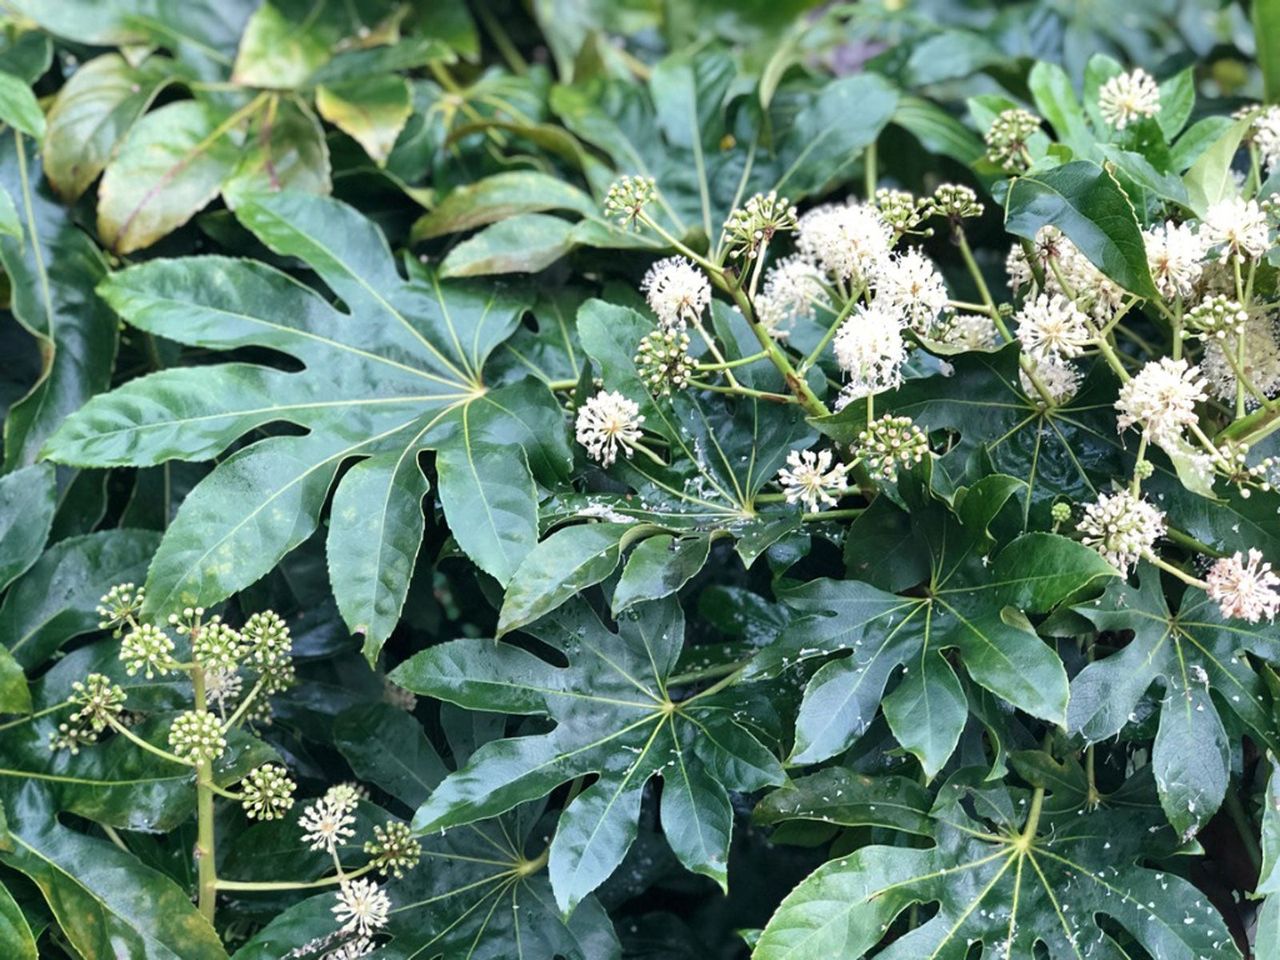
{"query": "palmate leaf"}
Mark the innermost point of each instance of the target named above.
(105, 900)
(721, 455)
(1189, 654)
(480, 893)
(969, 602)
(615, 718)
(52, 268)
(1071, 451)
(395, 370)
(709, 153)
(1008, 887)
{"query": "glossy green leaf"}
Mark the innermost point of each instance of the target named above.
(386, 746)
(372, 110)
(278, 52)
(286, 150)
(1055, 99)
(840, 796)
(28, 498)
(1210, 178)
(1188, 655)
(564, 564)
(405, 378)
(55, 600)
(993, 887)
(93, 112)
(170, 165)
(18, 107)
(611, 719)
(962, 608)
(498, 198)
(525, 243)
(52, 268)
(106, 902)
(15, 933)
(659, 567)
(1086, 203)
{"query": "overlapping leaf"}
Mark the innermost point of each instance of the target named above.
(1189, 655)
(395, 369)
(1015, 887)
(616, 719)
(970, 603)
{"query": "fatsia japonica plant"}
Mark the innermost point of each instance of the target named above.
(650, 480)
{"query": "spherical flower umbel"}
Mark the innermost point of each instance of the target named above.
(99, 701)
(870, 350)
(1060, 379)
(1261, 364)
(955, 202)
(677, 291)
(197, 736)
(755, 223)
(394, 848)
(1244, 589)
(149, 649)
(901, 210)
(663, 362)
(362, 907)
(971, 331)
(267, 792)
(792, 289)
(267, 638)
(1238, 229)
(850, 241)
(216, 646)
(607, 423)
(1007, 139)
(814, 479)
(1162, 399)
(1266, 134)
(327, 823)
(911, 285)
(628, 196)
(1174, 253)
(891, 443)
(1127, 98)
(120, 604)
(1122, 527)
(1052, 326)
(1216, 318)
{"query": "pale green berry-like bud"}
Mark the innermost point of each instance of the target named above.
(99, 700)
(197, 736)
(394, 848)
(955, 202)
(267, 637)
(901, 210)
(267, 792)
(216, 646)
(149, 649)
(751, 226)
(890, 443)
(1007, 139)
(627, 198)
(118, 605)
(1144, 469)
(662, 360)
(1217, 318)
(1060, 512)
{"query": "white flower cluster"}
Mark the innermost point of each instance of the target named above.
(327, 823)
(813, 479)
(607, 423)
(1128, 98)
(677, 291)
(1162, 400)
(1122, 527)
(1244, 589)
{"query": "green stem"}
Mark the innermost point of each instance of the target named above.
(1033, 817)
(255, 885)
(1136, 485)
(716, 687)
(693, 676)
(832, 330)
(137, 741)
(727, 364)
(742, 391)
(1181, 574)
(206, 846)
(851, 513)
(869, 171)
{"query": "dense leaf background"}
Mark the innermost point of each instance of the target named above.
(300, 301)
